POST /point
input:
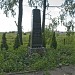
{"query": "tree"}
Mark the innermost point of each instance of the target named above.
(70, 27)
(43, 24)
(54, 42)
(54, 24)
(4, 43)
(17, 42)
(9, 6)
(69, 6)
(44, 11)
(20, 21)
(69, 10)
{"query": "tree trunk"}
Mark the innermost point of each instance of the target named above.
(20, 21)
(43, 23)
(44, 11)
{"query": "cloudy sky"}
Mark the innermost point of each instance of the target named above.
(7, 23)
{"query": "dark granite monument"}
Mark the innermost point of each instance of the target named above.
(36, 34)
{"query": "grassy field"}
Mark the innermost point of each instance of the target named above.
(19, 60)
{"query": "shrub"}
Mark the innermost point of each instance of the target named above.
(54, 42)
(4, 43)
(38, 62)
(17, 42)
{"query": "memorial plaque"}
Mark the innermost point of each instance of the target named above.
(36, 36)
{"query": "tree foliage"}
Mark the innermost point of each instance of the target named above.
(53, 24)
(68, 10)
(33, 3)
(8, 6)
(70, 7)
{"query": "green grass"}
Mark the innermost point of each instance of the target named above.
(19, 60)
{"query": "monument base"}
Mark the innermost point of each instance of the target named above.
(39, 50)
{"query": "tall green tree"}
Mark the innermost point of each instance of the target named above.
(20, 21)
(44, 12)
(43, 24)
(9, 6)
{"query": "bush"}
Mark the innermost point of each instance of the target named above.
(38, 62)
(4, 43)
(13, 60)
(19, 60)
(54, 42)
(17, 42)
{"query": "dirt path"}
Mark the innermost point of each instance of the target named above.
(66, 70)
